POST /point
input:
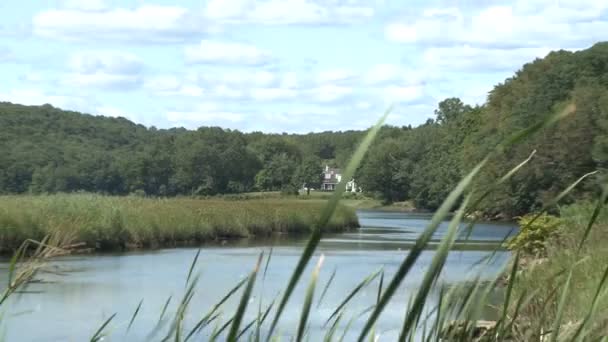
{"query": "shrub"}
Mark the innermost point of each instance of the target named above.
(534, 233)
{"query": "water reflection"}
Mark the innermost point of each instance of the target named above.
(74, 305)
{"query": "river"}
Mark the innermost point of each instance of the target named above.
(88, 289)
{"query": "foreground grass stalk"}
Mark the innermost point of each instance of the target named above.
(308, 300)
(326, 215)
(433, 272)
(417, 249)
(240, 312)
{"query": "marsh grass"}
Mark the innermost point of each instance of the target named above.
(570, 270)
(567, 301)
(109, 223)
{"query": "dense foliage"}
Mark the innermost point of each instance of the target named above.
(534, 234)
(47, 150)
(424, 163)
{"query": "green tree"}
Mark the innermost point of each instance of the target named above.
(309, 174)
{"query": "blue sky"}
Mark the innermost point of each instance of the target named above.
(277, 65)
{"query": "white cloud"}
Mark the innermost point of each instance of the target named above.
(382, 73)
(398, 94)
(389, 74)
(85, 5)
(206, 113)
(290, 80)
(224, 91)
(522, 24)
(104, 69)
(102, 80)
(335, 75)
(170, 86)
(6, 54)
(145, 24)
(32, 77)
(473, 59)
(273, 94)
(285, 12)
(238, 78)
(115, 62)
(363, 105)
(215, 52)
(36, 97)
(445, 24)
(330, 93)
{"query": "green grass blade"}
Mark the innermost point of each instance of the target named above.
(247, 327)
(580, 332)
(262, 318)
(164, 310)
(433, 272)
(507, 301)
(331, 279)
(596, 211)
(194, 261)
(552, 119)
(328, 211)
(176, 326)
(308, 300)
(240, 312)
(502, 180)
(347, 328)
(99, 333)
(353, 293)
(218, 332)
(329, 336)
(135, 315)
(203, 321)
(268, 262)
(200, 325)
(560, 309)
(380, 287)
(418, 247)
(567, 190)
(13, 265)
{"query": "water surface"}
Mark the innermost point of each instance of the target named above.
(91, 288)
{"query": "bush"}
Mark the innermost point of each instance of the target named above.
(533, 235)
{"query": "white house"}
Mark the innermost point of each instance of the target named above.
(331, 178)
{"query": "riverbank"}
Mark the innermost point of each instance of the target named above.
(104, 223)
(545, 273)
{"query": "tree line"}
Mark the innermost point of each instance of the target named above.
(425, 163)
(46, 150)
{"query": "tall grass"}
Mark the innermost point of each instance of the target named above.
(565, 269)
(105, 223)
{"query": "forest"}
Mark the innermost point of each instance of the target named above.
(48, 150)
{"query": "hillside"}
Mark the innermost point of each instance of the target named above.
(46, 150)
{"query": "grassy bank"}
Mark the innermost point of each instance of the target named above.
(355, 201)
(546, 273)
(106, 223)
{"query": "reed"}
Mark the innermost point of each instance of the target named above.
(110, 223)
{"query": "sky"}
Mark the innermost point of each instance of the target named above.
(277, 65)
